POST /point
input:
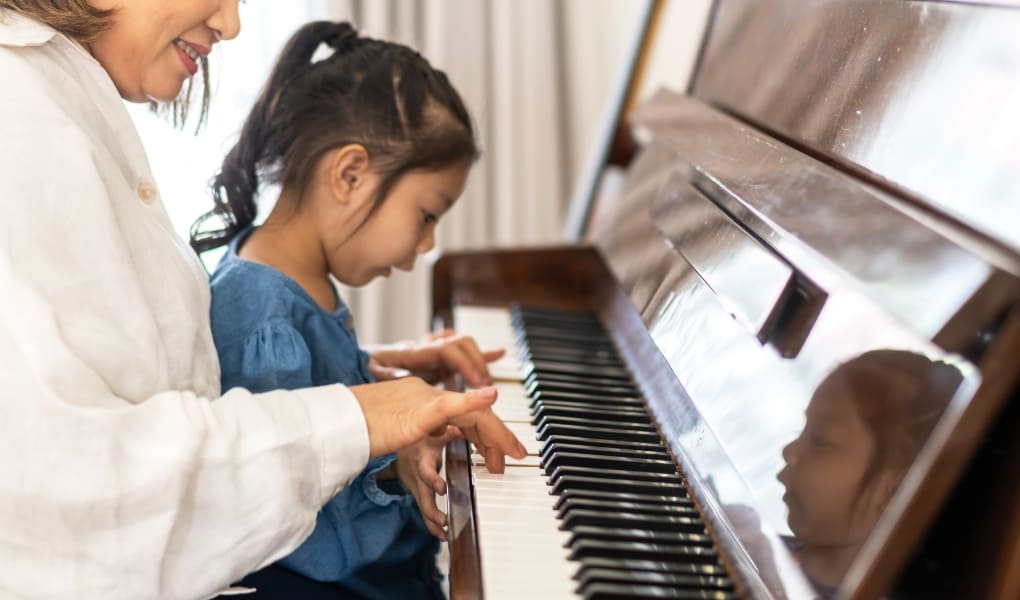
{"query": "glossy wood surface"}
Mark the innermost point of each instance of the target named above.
(917, 95)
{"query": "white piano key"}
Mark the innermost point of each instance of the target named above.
(526, 433)
(478, 461)
(512, 403)
(521, 546)
(522, 549)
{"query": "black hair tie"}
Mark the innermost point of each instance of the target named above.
(342, 38)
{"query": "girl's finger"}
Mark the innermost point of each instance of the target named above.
(477, 359)
(491, 355)
(454, 357)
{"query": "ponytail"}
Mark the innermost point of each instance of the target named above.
(236, 184)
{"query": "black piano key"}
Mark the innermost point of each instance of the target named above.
(642, 551)
(560, 459)
(579, 356)
(659, 454)
(585, 398)
(594, 422)
(590, 412)
(598, 518)
(550, 443)
(678, 539)
(674, 566)
(614, 591)
(603, 473)
(601, 412)
(612, 376)
(563, 321)
(619, 486)
(599, 407)
(571, 368)
(538, 312)
(575, 504)
(671, 580)
(679, 499)
(563, 338)
(630, 434)
(579, 385)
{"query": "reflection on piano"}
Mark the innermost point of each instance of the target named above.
(660, 366)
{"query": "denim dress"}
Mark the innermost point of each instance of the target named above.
(369, 541)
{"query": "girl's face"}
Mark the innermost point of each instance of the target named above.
(153, 46)
(833, 499)
(402, 226)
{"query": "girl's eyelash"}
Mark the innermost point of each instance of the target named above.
(429, 217)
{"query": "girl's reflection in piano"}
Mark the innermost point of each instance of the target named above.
(866, 423)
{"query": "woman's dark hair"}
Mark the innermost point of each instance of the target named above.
(381, 95)
(77, 19)
(83, 23)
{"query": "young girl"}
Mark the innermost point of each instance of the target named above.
(865, 425)
(370, 147)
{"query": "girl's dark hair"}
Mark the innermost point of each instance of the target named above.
(381, 95)
(900, 396)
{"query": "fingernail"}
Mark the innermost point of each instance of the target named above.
(487, 392)
(521, 450)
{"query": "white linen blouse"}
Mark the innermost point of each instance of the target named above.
(123, 472)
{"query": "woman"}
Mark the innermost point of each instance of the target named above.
(120, 478)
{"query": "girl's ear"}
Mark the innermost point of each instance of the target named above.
(881, 490)
(348, 171)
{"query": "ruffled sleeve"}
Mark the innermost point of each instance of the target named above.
(274, 356)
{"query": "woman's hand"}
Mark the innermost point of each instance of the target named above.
(401, 412)
(417, 467)
(435, 358)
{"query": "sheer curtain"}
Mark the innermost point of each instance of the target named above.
(534, 73)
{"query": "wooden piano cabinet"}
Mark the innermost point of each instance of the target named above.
(556, 276)
(972, 548)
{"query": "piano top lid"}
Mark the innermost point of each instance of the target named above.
(918, 97)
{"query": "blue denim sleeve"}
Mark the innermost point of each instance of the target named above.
(354, 529)
(272, 357)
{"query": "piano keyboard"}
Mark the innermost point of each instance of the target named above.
(597, 509)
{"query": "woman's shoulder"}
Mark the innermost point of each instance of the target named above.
(47, 98)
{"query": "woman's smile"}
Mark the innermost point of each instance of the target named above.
(189, 54)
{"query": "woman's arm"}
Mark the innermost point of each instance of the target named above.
(121, 473)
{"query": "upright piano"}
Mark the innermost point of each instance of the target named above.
(781, 361)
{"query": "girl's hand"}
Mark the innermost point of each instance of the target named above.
(401, 412)
(418, 470)
(435, 358)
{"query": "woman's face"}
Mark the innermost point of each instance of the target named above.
(833, 494)
(401, 228)
(153, 46)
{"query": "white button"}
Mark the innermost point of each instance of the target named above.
(146, 192)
